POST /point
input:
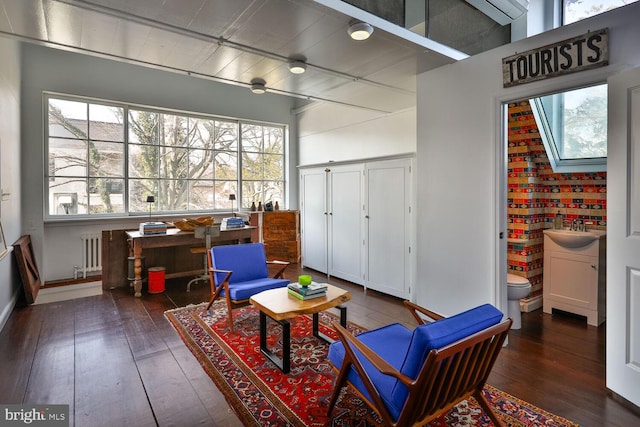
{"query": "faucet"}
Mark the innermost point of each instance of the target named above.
(578, 225)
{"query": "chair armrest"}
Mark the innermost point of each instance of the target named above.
(350, 341)
(415, 309)
(215, 290)
(280, 273)
(226, 278)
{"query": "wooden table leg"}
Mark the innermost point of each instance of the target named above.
(137, 269)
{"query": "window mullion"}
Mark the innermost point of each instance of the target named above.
(125, 172)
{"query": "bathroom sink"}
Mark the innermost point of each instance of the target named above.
(574, 239)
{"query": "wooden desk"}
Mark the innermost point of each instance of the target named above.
(175, 237)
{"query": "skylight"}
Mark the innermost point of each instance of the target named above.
(573, 128)
(576, 10)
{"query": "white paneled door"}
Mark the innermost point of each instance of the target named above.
(623, 237)
(331, 214)
(313, 218)
(345, 222)
(387, 223)
(356, 223)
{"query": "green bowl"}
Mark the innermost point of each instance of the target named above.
(304, 280)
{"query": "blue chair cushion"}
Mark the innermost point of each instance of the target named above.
(389, 342)
(247, 261)
(245, 290)
(406, 351)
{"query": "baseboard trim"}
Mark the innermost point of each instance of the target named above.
(67, 282)
(8, 309)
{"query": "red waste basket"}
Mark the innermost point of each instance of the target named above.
(156, 280)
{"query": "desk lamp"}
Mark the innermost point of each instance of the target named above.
(232, 197)
(150, 200)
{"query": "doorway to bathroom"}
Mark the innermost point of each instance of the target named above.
(623, 277)
(555, 168)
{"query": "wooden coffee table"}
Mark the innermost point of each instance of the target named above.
(280, 306)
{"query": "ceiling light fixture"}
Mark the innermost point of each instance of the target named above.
(297, 67)
(258, 86)
(359, 30)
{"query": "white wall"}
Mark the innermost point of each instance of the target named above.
(10, 284)
(56, 246)
(459, 172)
(338, 133)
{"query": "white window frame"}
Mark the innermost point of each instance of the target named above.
(608, 6)
(548, 135)
(240, 202)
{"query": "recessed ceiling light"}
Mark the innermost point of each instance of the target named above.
(258, 86)
(297, 67)
(359, 30)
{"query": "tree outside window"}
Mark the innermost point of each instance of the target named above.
(187, 162)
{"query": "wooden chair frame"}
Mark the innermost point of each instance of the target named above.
(449, 375)
(231, 304)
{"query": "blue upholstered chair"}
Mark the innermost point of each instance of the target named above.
(413, 376)
(237, 272)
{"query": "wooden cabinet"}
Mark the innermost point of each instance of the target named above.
(280, 233)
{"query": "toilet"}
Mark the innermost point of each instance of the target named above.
(518, 287)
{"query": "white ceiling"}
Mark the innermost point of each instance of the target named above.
(234, 41)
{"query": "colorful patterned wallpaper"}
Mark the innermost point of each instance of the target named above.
(536, 194)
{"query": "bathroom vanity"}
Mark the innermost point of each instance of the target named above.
(574, 273)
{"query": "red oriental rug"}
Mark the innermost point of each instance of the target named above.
(262, 395)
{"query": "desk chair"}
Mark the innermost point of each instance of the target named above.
(204, 232)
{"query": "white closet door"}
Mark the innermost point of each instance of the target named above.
(388, 227)
(345, 222)
(313, 218)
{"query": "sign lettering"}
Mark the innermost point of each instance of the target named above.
(577, 54)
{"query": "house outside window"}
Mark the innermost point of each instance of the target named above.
(106, 158)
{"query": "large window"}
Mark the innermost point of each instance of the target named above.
(107, 158)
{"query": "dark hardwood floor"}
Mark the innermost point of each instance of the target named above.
(116, 360)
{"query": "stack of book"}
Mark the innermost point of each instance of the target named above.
(147, 228)
(232, 222)
(314, 290)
